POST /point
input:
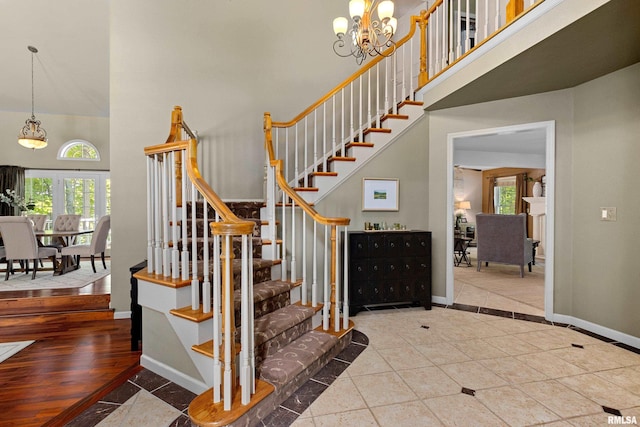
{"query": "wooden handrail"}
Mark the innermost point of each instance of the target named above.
(424, 14)
(286, 188)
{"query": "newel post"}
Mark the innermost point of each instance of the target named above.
(423, 76)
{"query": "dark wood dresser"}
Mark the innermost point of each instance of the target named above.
(389, 268)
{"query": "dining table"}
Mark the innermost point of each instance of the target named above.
(65, 238)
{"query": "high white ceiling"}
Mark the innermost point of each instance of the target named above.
(71, 69)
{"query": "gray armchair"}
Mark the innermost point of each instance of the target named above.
(98, 244)
(20, 243)
(503, 239)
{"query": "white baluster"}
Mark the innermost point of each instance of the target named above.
(394, 82)
(386, 87)
(361, 125)
(378, 90)
(217, 328)
(314, 166)
(351, 128)
(345, 307)
(158, 219)
(327, 281)
(150, 214)
(305, 163)
(195, 288)
(370, 116)
(228, 312)
(486, 19)
(175, 253)
(431, 45)
(334, 118)
(284, 237)
(497, 23)
(451, 31)
(314, 283)
(206, 289)
(324, 138)
(251, 323)
(295, 159)
(245, 367)
(305, 281)
(294, 276)
(467, 41)
(183, 211)
(286, 158)
(403, 71)
(166, 252)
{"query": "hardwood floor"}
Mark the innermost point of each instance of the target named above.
(80, 353)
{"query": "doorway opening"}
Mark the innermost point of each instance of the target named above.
(526, 146)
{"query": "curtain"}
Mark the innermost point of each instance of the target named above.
(520, 193)
(490, 207)
(11, 178)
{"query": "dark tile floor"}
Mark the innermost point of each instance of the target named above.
(180, 398)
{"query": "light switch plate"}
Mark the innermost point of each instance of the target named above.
(608, 214)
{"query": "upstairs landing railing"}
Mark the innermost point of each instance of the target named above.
(322, 133)
(175, 185)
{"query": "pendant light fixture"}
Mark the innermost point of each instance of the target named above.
(32, 135)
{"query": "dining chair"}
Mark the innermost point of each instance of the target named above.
(20, 243)
(97, 246)
(65, 222)
(38, 220)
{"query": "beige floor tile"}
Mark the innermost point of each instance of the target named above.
(368, 362)
(485, 330)
(515, 407)
(303, 422)
(463, 410)
(333, 401)
(472, 375)
(512, 345)
(441, 354)
(513, 370)
(142, 409)
(561, 399)
(383, 389)
(601, 391)
(556, 424)
(511, 326)
(359, 418)
(430, 382)
(620, 355)
(550, 365)
(591, 358)
(479, 349)
(404, 358)
(545, 340)
(628, 378)
(598, 420)
(408, 414)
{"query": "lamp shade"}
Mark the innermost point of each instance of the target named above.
(356, 8)
(340, 25)
(463, 204)
(385, 10)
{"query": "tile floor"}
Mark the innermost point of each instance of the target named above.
(444, 367)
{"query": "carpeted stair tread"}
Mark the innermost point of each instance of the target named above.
(265, 290)
(288, 362)
(280, 321)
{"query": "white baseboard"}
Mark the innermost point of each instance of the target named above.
(597, 329)
(439, 300)
(165, 371)
(122, 315)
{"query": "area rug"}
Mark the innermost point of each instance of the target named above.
(46, 280)
(8, 349)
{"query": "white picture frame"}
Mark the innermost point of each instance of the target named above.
(380, 194)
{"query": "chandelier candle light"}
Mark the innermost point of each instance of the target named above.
(366, 37)
(32, 135)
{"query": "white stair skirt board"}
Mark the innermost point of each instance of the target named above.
(163, 299)
(8, 349)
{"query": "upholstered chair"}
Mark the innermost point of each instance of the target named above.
(65, 222)
(98, 244)
(503, 239)
(38, 220)
(20, 243)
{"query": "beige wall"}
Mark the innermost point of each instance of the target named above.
(225, 63)
(595, 276)
(60, 129)
(605, 168)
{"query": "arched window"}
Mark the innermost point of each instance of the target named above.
(78, 149)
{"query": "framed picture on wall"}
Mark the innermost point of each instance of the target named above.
(379, 194)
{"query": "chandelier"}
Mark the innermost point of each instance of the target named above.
(365, 37)
(32, 135)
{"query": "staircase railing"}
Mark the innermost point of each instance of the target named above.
(323, 132)
(176, 259)
(335, 313)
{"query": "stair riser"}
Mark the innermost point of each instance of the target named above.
(269, 347)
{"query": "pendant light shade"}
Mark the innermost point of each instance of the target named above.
(32, 135)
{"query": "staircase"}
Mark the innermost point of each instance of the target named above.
(216, 297)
